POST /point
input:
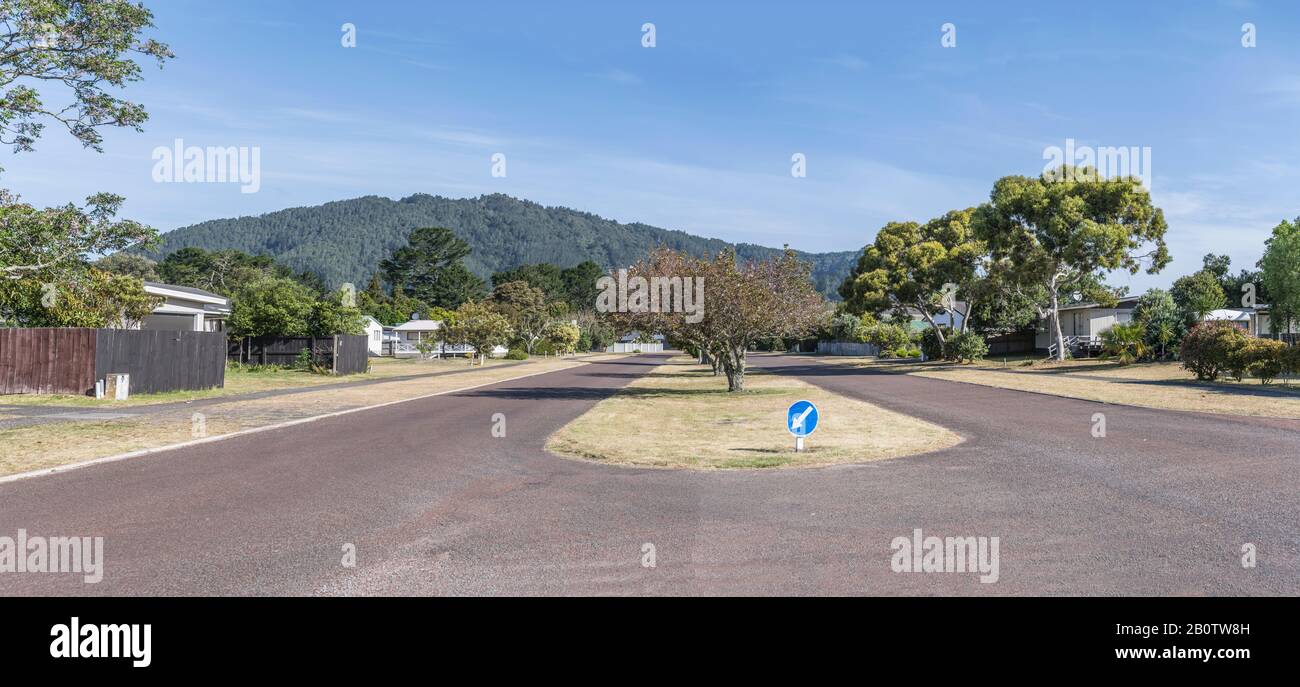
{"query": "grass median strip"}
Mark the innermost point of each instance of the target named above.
(681, 416)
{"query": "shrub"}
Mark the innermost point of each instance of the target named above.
(1291, 360)
(887, 336)
(1262, 358)
(1126, 342)
(930, 342)
(967, 347)
(517, 354)
(914, 353)
(1209, 347)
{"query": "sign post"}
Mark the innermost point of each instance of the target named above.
(801, 421)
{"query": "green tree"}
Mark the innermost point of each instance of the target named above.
(272, 306)
(431, 268)
(580, 285)
(1281, 275)
(330, 315)
(1198, 295)
(525, 307)
(1162, 322)
(544, 276)
(909, 265)
(129, 265)
(562, 336)
(1063, 234)
(481, 326)
(87, 46)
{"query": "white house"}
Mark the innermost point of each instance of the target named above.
(1083, 323)
(415, 331)
(186, 309)
(374, 332)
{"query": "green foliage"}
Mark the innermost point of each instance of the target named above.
(1209, 347)
(908, 265)
(544, 276)
(887, 336)
(481, 326)
(89, 46)
(525, 308)
(1162, 321)
(1126, 342)
(517, 354)
(1198, 295)
(1066, 228)
(1281, 275)
(225, 271)
(93, 298)
(562, 337)
(430, 268)
(930, 345)
(329, 316)
(343, 241)
(129, 265)
(1262, 358)
(844, 327)
(272, 306)
(966, 347)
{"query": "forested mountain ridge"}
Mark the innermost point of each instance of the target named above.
(344, 241)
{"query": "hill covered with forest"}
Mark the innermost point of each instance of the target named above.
(343, 241)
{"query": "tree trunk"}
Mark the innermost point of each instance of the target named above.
(1056, 327)
(735, 369)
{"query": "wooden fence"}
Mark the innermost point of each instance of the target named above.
(342, 353)
(72, 360)
(846, 348)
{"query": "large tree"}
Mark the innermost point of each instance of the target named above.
(741, 304)
(1198, 295)
(481, 326)
(921, 268)
(431, 268)
(526, 309)
(580, 285)
(1064, 234)
(543, 275)
(77, 51)
(1281, 275)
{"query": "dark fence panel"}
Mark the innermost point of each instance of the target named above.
(350, 356)
(1009, 344)
(159, 360)
(47, 361)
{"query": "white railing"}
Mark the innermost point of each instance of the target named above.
(1074, 343)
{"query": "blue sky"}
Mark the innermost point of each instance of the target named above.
(697, 132)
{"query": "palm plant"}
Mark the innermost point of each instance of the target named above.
(1125, 342)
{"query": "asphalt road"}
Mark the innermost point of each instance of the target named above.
(435, 504)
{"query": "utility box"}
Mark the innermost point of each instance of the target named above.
(117, 386)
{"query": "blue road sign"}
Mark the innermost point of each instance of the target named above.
(801, 419)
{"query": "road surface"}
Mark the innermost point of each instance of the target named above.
(435, 504)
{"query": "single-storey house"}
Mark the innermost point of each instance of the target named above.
(1082, 323)
(186, 309)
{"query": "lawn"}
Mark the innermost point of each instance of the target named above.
(681, 416)
(1164, 385)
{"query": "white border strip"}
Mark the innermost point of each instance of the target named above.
(253, 430)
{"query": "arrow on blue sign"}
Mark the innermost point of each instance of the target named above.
(801, 419)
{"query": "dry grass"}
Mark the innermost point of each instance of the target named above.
(1150, 385)
(60, 443)
(680, 416)
(243, 380)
